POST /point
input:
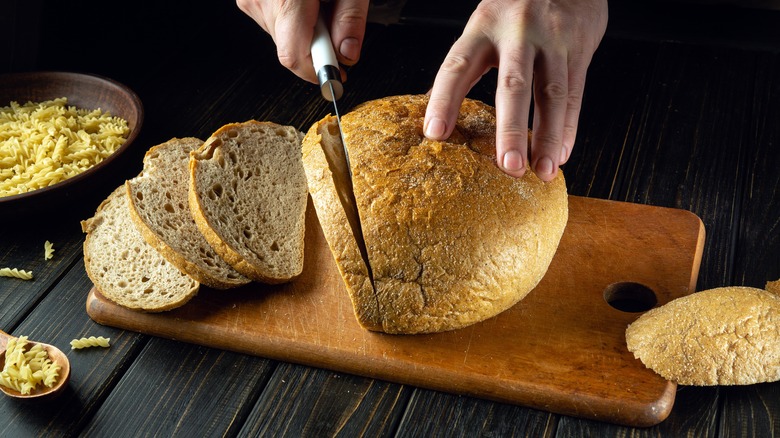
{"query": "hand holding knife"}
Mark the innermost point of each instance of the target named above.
(326, 66)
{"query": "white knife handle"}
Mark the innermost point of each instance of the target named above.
(325, 63)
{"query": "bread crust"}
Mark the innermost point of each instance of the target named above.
(721, 336)
(451, 239)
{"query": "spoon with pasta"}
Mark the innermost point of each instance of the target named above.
(31, 369)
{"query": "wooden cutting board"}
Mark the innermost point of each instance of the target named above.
(562, 349)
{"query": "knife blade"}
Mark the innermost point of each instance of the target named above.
(329, 77)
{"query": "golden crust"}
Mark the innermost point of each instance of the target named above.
(451, 239)
(722, 336)
(773, 287)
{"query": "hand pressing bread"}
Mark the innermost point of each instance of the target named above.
(451, 239)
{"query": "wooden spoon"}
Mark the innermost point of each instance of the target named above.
(56, 356)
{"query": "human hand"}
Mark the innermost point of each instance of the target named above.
(540, 47)
(291, 25)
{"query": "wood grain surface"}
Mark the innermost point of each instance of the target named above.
(562, 349)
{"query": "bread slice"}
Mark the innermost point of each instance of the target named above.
(451, 239)
(721, 336)
(248, 197)
(126, 269)
(159, 207)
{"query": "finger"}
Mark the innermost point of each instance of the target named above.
(348, 27)
(551, 89)
(293, 32)
(513, 99)
(462, 67)
(577, 73)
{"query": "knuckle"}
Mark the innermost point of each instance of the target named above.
(486, 13)
(513, 83)
(554, 90)
(287, 59)
(351, 16)
(546, 141)
(456, 64)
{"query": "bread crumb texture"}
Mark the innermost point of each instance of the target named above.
(126, 269)
(722, 336)
(248, 196)
(160, 209)
(451, 239)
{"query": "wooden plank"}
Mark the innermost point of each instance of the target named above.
(181, 389)
(23, 248)
(561, 349)
(751, 411)
(695, 414)
(615, 94)
(432, 413)
(304, 401)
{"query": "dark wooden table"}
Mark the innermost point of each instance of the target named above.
(671, 117)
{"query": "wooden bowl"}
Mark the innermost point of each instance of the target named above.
(83, 91)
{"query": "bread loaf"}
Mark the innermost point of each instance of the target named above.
(126, 269)
(248, 198)
(451, 239)
(722, 336)
(159, 207)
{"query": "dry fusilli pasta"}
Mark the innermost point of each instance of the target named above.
(24, 370)
(16, 273)
(44, 143)
(91, 341)
(48, 250)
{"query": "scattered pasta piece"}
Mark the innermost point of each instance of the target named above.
(89, 342)
(48, 250)
(44, 143)
(25, 370)
(16, 273)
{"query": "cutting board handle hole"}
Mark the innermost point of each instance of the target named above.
(628, 296)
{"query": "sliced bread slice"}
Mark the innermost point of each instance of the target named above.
(124, 268)
(159, 208)
(248, 196)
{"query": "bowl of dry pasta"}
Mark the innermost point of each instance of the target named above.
(59, 132)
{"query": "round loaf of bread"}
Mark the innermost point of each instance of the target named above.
(451, 239)
(722, 336)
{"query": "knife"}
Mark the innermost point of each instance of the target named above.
(329, 76)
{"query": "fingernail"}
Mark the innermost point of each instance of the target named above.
(513, 161)
(435, 128)
(350, 49)
(544, 166)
